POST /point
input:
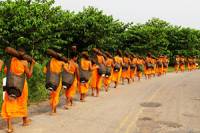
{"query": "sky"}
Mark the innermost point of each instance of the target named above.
(178, 12)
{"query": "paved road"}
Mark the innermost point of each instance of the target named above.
(168, 104)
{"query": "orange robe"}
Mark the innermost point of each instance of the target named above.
(133, 72)
(85, 65)
(1, 65)
(165, 69)
(117, 75)
(159, 69)
(94, 82)
(18, 107)
(126, 74)
(100, 60)
(194, 67)
(176, 66)
(56, 67)
(147, 71)
(154, 68)
(189, 64)
(182, 66)
(107, 80)
(72, 68)
(139, 62)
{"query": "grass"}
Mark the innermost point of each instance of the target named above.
(170, 69)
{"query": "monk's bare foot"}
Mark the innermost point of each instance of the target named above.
(52, 113)
(27, 122)
(92, 94)
(70, 104)
(10, 130)
(66, 107)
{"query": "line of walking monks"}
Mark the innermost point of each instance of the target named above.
(74, 75)
(181, 62)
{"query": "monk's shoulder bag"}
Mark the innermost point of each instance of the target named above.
(52, 79)
(14, 83)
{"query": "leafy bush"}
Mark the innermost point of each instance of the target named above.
(36, 85)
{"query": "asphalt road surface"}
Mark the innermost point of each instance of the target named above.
(167, 104)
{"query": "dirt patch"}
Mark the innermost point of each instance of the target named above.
(147, 125)
(170, 124)
(145, 119)
(196, 99)
(150, 104)
(190, 115)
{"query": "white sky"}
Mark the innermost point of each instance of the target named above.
(180, 12)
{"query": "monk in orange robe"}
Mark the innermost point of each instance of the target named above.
(189, 64)
(71, 67)
(148, 66)
(177, 63)
(12, 108)
(126, 68)
(160, 65)
(118, 61)
(140, 66)
(165, 64)
(94, 81)
(109, 67)
(153, 62)
(182, 63)
(56, 66)
(133, 67)
(100, 61)
(86, 65)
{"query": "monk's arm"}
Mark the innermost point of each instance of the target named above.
(122, 61)
(90, 66)
(77, 73)
(104, 62)
(5, 70)
(29, 71)
(1, 65)
(112, 64)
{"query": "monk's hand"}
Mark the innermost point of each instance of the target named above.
(33, 62)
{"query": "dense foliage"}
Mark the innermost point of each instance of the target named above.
(38, 24)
